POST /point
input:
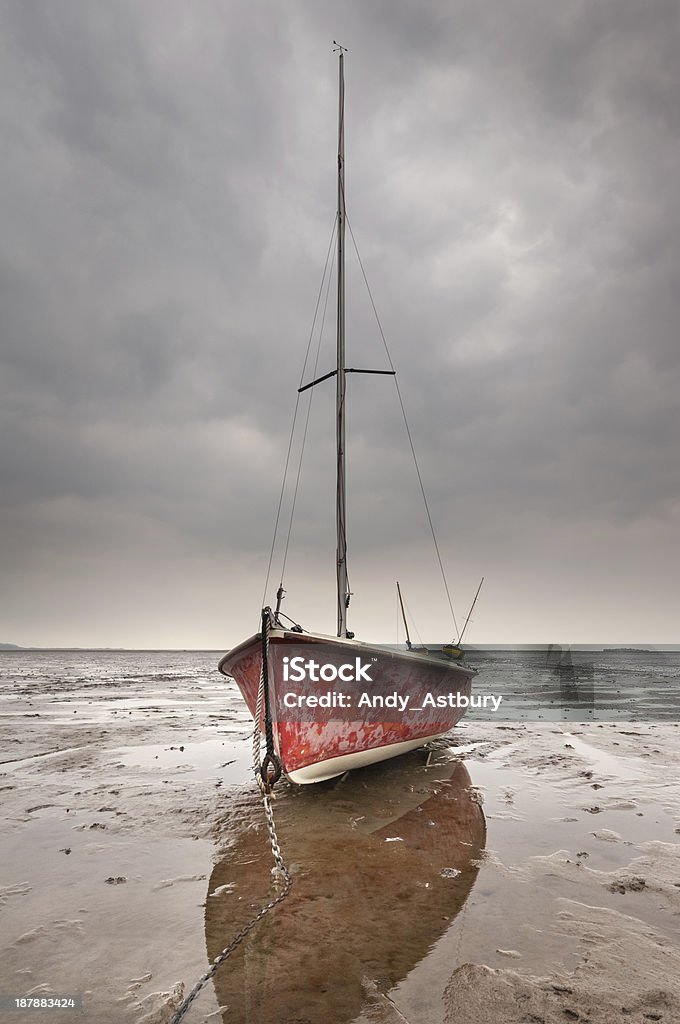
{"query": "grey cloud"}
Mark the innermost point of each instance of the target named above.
(169, 197)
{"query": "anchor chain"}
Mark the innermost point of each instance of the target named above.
(267, 773)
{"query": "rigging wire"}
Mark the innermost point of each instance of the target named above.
(297, 404)
(309, 408)
(408, 431)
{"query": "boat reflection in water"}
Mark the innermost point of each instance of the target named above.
(382, 863)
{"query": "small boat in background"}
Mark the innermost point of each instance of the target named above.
(330, 704)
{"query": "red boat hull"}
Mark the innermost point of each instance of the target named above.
(317, 744)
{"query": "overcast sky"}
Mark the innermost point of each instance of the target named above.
(168, 194)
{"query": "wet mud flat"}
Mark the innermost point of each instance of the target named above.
(519, 872)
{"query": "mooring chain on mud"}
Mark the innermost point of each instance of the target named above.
(267, 772)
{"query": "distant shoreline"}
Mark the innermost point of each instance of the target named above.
(14, 649)
(6, 648)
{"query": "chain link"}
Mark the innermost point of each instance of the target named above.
(265, 783)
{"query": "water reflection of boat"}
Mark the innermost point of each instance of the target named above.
(382, 866)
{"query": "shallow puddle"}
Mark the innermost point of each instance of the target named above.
(382, 863)
(399, 880)
(223, 760)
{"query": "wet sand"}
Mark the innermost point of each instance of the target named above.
(526, 872)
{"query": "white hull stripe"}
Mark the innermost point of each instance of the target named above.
(335, 766)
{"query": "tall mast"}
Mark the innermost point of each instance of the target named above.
(340, 507)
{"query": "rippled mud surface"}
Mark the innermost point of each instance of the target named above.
(516, 873)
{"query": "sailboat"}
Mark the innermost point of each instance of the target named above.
(330, 704)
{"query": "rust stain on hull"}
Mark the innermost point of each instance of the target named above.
(304, 739)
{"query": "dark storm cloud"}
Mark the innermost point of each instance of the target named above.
(168, 197)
